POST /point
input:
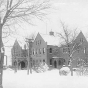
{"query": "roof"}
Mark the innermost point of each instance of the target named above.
(16, 44)
(50, 39)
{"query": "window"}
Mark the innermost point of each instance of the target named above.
(44, 50)
(50, 50)
(84, 50)
(36, 61)
(81, 39)
(43, 60)
(40, 41)
(33, 51)
(33, 62)
(50, 61)
(36, 51)
(39, 51)
(78, 63)
(59, 62)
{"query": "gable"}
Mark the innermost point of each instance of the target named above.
(81, 38)
(16, 48)
(38, 41)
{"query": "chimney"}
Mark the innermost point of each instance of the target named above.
(51, 33)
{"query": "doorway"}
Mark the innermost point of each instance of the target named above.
(55, 64)
(22, 63)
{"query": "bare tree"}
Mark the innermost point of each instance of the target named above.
(12, 11)
(29, 41)
(68, 37)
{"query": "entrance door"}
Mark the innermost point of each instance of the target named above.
(55, 64)
(22, 64)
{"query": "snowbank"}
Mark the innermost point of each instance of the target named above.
(49, 79)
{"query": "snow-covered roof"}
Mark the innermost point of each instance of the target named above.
(50, 39)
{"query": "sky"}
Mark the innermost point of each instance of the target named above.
(74, 13)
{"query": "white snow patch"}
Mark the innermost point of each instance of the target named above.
(49, 79)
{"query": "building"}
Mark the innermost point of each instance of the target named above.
(79, 50)
(44, 50)
(81, 55)
(47, 49)
(19, 56)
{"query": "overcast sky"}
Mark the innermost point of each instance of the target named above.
(73, 13)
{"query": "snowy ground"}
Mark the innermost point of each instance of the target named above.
(49, 79)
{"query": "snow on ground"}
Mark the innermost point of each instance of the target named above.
(49, 79)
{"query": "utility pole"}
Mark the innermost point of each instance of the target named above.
(29, 59)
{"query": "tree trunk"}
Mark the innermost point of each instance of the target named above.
(71, 69)
(30, 65)
(71, 66)
(1, 58)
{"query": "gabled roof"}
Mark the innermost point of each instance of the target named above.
(79, 37)
(50, 39)
(16, 43)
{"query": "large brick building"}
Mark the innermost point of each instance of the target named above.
(80, 56)
(19, 56)
(46, 48)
